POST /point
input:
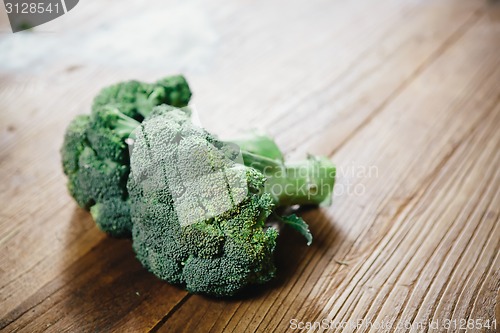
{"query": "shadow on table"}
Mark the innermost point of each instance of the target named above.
(103, 286)
(292, 250)
(106, 285)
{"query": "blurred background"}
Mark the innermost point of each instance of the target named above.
(241, 58)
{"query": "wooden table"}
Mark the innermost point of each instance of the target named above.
(403, 96)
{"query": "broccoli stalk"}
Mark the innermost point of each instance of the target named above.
(110, 117)
(308, 182)
(258, 144)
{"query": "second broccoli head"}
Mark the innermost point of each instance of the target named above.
(199, 205)
(95, 155)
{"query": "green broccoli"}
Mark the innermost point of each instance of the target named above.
(136, 99)
(95, 155)
(199, 211)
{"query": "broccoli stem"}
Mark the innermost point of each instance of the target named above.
(125, 125)
(259, 144)
(112, 118)
(308, 182)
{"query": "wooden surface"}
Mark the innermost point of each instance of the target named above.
(403, 96)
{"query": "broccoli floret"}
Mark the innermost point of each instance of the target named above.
(74, 143)
(199, 212)
(136, 99)
(108, 130)
(113, 215)
(95, 153)
(96, 179)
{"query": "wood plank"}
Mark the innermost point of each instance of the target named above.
(452, 97)
(410, 89)
(103, 285)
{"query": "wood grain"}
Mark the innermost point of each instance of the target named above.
(403, 96)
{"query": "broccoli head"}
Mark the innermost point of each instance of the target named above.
(199, 211)
(136, 99)
(95, 154)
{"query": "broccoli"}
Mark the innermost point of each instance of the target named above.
(95, 155)
(199, 211)
(136, 99)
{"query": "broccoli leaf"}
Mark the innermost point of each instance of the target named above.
(300, 225)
